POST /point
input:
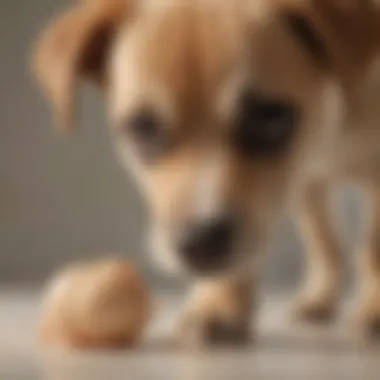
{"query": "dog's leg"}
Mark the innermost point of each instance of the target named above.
(320, 294)
(219, 312)
(368, 307)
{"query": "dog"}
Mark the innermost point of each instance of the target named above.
(226, 112)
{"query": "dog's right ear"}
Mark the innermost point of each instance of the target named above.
(339, 35)
(75, 46)
(307, 34)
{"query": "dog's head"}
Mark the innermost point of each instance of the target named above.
(217, 106)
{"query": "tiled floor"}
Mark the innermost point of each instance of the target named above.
(282, 351)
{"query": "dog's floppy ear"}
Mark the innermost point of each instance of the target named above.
(337, 34)
(74, 46)
(302, 27)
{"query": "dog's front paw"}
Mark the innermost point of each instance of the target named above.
(199, 330)
(367, 316)
(217, 316)
(316, 310)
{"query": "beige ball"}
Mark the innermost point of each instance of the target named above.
(103, 305)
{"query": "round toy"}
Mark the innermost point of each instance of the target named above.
(104, 305)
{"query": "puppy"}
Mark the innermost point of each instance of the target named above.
(227, 111)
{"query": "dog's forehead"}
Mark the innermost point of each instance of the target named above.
(185, 52)
(179, 45)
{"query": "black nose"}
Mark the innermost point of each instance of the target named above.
(207, 245)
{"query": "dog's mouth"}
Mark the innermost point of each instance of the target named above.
(199, 254)
(208, 246)
(209, 263)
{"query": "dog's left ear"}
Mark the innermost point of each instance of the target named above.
(75, 46)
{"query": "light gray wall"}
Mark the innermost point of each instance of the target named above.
(66, 199)
(59, 199)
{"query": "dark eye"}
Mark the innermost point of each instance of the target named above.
(147, 133)
(143, 126)
(264, 128)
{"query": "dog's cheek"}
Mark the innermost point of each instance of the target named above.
(129, 161)
(161, 251)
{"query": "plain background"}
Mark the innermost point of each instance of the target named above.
(66, 199)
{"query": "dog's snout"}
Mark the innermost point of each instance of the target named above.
(207, 245)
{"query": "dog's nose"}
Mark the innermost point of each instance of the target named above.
(207, 245)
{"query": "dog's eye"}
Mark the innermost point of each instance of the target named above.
(262, 128)
(143, 126)
(147, 133)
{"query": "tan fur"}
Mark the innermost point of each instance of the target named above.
(321, 292)
(188, 59)
(216, 310)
